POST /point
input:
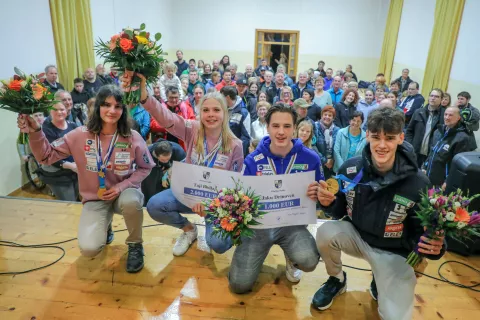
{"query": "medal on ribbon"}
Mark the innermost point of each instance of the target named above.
(102, 163)
(332, 185)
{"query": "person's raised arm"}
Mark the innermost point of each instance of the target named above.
(173, 123)
(43, 151)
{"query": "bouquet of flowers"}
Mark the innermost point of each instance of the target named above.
(133, 51)
(232, 213)
(446, 215)
(25, 94)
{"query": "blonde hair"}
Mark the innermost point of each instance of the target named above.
(308, 142)
(252, 79)
(263, 104)
(227, 135)
(169, 66)
(284, 89)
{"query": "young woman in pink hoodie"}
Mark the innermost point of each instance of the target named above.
(210, 143)
(112, 160)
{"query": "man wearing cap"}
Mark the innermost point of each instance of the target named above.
(242, 85)
(301, 106)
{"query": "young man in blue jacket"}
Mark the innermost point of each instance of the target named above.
(376, 205)
(278, 154)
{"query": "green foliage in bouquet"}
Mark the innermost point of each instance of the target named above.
(133, 52)
(25, 94)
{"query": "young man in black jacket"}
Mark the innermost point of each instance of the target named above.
(378, 222)
(449, 140)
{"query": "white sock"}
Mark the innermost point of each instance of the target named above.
(340, 276)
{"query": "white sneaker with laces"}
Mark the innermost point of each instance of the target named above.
(293, 274)
(184, 241)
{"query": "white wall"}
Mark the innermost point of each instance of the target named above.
(110, 16)
(414, 36)
(464, 75)
(337, 32)
(27, 42)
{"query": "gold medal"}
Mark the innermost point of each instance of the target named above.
(100, 192)
(332, 185)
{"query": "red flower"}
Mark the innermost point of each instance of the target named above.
(15, 85)
(126, 45)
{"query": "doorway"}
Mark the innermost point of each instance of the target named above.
(277, 47)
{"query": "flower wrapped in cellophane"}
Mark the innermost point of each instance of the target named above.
(232, 213)
(133, 52)
(446, 215)
(25, 94)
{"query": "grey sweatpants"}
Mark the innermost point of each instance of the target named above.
(394, 278)
(97, 215)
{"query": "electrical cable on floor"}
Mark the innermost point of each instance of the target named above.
(54, 245)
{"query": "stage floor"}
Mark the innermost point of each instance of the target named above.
(190, 287)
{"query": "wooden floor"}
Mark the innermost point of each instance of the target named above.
(190, 287)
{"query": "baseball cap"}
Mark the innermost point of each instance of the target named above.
(300, 102)
(263, 68)
(242, 81)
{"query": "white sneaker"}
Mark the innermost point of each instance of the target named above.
(184, 241)
(293, 274)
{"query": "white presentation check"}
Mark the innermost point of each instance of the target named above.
(284, 197)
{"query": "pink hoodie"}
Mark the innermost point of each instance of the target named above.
(81, 144)
(187, 130)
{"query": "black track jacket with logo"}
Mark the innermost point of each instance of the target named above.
(382, 208)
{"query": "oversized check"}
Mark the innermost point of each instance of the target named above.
(284, 197)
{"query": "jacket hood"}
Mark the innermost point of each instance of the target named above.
(264, 147)
(237, 107)
(405, 165)
(364, 103)
(344, 132)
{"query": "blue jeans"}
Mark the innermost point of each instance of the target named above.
(165, 208)
(296, 241)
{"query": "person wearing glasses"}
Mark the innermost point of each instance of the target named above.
(423, 124)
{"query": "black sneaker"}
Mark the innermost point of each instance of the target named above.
(135, 257)
(373, 290)
(110, 234)
(323, 298)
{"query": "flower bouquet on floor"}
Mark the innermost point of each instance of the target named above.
(232, 213)
(446, 215)
(134, 52)
(25, 94)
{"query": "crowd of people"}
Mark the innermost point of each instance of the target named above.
(384, 139)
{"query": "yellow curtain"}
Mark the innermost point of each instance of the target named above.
(448, 17)
(84, 39)
(390, 39)
(73, 37)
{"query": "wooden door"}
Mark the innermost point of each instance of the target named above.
(265, 38)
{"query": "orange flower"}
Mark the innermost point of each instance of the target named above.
(15, 85)
(38, 91)
(246, 198)
(216, 202)
(227, 226)
(126, 45)
(113, 41)
(461, 215)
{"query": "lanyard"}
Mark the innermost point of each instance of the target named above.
(289, 167)
(213, 155)
(352, 183)
(102, 165)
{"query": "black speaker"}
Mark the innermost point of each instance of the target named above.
(464, 174)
